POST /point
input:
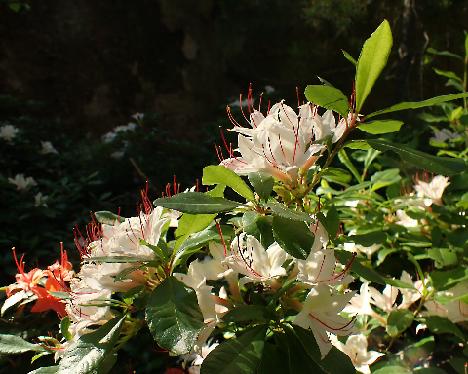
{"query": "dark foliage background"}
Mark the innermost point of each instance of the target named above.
(72, 71)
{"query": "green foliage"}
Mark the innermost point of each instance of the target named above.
(328, 97)
(196, 203)
(221, 175)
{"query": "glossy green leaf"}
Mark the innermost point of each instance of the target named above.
(331, 221)
(328, 97)
(392, 369)
(418, 104)
(447, 74)
(293, 236)
(240, 355)
(222, 175)
(191, 223)
(439, 165)
(349, 57)
(64, 328)
(196, 203)
(92, 353)
(441, 325)
(173, 316)
(244, 313)
(398, 321)
(381, 127)
(336, 175)
(107, 217)
(262, 184)
(442, 280)
(385, 178)
(367, 239)
(12, 344)
(373, 58)
(283, 211)
(345, 160)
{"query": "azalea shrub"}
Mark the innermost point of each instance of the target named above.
(309, 248)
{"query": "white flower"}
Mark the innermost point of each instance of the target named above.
(21, 182)
(385, 300)
(269, 89)
(432, 191)
(47, 148)
(360, 304)
(248, 257)
(410, 295)
(320, 315)
(326, 126)
(8, 132)
(456, 311)
(278, 144)
(320, 264)
(368, 251)
(197, 359)
(356, 349)
(138, 116)
(40, 199)
(405, 220)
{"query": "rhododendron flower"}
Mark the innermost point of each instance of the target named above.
(356, 349)
(360, 304)
(368, 251)
(432, 191)
(8, 132)
(320, 315)
(278, 144)
(326, 126)
(40, 199)
(48, 148)
(385, 300)
(405, 220)
(21, 182)
(410, 295)
(197, 359)
(250, 258)
(320, 264)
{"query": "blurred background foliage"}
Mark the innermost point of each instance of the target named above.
(74, 73)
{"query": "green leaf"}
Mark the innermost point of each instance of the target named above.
(381, 127)
(331, 222)
(283, 211)
(392, 369)
(116, 259)
(439, 165)
(108, 218)
(12, 344)
(245, 313)
(173, 316)
(64, 328)
(398, 321)
(196, 203)
(221, 175)
(191, 223)
(440, 325)
(336, 175)
(447, 74)
(92, 353)
(293, 236)
(349, 57)
(442, 280)
(373, 237)
(328, 97)
(344, 159)
(259, 226)
(385, 178)
(238, 355)
(418, 104)
(262, 184)
(334, 362)
(435, 52)
(371, 62)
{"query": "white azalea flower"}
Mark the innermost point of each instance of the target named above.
(21, 182)
(325, 126)
(405, 220)
(368, 251)
(197, 358)
(47, 148)
(410, 295)
(443, 135)
(8, 132)
(251, 259)
(320, 315)
(356, 349)
(278, 144)
(456, 311)
(40, 199)
(432, 191)
(385, 300)
(360, 304)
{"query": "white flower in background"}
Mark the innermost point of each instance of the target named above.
(21, 182)
(405, 220)
(368, 251)
(48, 148)
(110, 136)
(8, 132)
(117, 155)
(385, 300)
(432, 191)
(410, 295)
(278, 144)
(456, 311)
(40, 199)
(138, 116)
(197, 359)
(320, 264)
(356, 349)
(320, 315)
(360, 304)
(269, 89)
(443, 135)
(248, 257)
